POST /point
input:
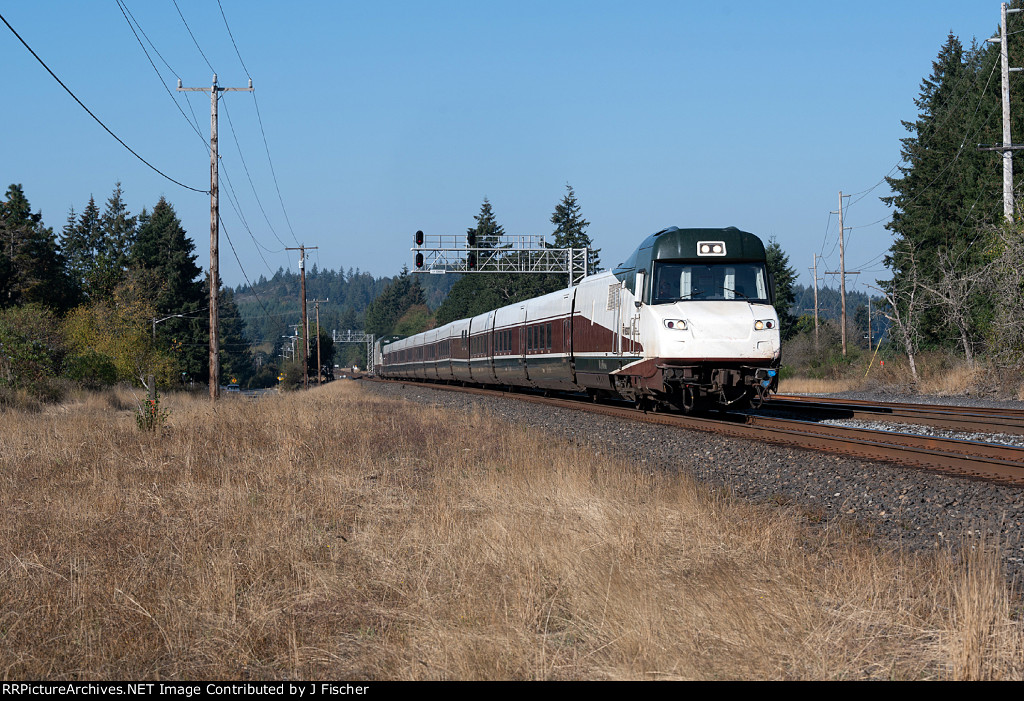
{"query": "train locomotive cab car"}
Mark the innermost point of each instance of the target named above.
(703, 310)
(686, 322)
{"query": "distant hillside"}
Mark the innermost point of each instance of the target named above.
(272, 307)
(830, 306)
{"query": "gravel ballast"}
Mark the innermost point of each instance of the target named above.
(899, 506)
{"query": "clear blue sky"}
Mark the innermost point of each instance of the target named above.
(386, 117)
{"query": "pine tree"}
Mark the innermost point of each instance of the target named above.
(571, 229)
(487, 230)
(235, 352)
(946, 186)
(385, 311)
(81, 241)
(165, 257)
(32, 267)
(477, 293)
(783, 276)
(118, 230)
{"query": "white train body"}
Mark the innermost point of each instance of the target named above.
(686, 321)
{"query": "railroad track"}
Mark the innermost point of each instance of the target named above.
(966, 419)
(964, 458)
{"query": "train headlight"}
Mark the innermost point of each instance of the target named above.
(762, 324)
(678, 324)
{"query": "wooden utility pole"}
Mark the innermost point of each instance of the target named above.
(842, 268)
(305, 319)
(869, 321)
(319, 363)
(815, 268)
(1006, 148)
(214, 231)
(1004, 59)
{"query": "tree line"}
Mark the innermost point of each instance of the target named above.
(957, 281)
(402, 308)
(114, 296)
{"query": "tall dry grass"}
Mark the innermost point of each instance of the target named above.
(335, 534)
(815, 385)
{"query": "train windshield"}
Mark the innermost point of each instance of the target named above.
(674, 282)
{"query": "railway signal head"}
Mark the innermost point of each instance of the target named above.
(419, 260)
(471, 261)
(471, 238)
(419, 238)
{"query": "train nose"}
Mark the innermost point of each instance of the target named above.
(720, 321)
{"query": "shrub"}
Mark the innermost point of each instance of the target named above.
(91, 369)
(31, 352)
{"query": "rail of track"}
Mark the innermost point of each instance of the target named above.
(966, 419)
(972, 459)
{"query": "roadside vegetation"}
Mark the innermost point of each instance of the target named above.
(334, 534)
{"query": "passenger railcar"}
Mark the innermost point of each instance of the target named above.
(687, 321)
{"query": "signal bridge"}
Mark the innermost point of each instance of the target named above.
(515, 254)
(350, 336)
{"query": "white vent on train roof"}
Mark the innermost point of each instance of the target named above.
(613, 297)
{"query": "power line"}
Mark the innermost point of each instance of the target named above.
(259, 118)
(232, 196)
(194, 124)
(189, 29)
(233, 39)
(98, 121)
(240, 267)
(952, 161)
(234, 135)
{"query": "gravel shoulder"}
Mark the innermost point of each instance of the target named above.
(897, 506)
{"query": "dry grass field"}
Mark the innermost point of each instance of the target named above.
(335, 534)
(938, 374)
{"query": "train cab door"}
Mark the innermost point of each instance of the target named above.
(523, 371)
(631, 316)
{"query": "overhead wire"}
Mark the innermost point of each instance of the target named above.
(195, 120)
(242, 268)
(231, 194)
(247, 174)
(259, 118)
(98, 120)
(193, 124)
(189, 30)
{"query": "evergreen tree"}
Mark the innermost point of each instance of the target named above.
(81, 241)
(477, 293)
(32, 267)
(487, 230)
(946, 187)
(118, 229)
(326, 357)
(235, 353)
(571, 229)
(385, 311)
(165, 256)
(783, 276)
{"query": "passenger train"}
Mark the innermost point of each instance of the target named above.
(685, 323)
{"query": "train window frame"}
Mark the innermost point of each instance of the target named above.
(680, 281)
